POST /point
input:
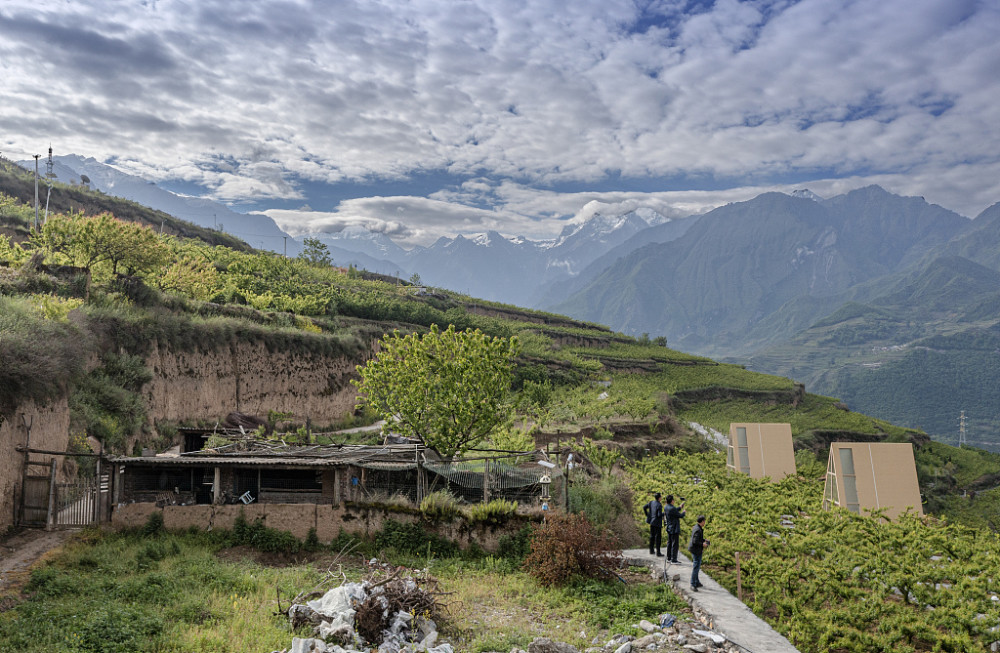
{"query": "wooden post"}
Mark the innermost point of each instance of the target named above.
(50, 519)
(217, 487)
(420, 485)
(486, 480)
(739, 578)
(97, 489)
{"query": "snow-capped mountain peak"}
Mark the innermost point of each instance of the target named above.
(805, 193)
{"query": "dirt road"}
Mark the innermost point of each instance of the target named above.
(19, 551)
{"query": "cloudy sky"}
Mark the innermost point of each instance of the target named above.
(423, 117)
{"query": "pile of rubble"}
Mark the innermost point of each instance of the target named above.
(393, 615)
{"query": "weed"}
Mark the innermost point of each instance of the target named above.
(441, 505)
(497, 511)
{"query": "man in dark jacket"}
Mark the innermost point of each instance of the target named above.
(697, 546)
(673, 517)
(654, 517)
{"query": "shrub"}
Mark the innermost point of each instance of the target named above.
(516, 546)
(312, 540)
(496, 511)
(258, 536)
(608, 503)
(440, 505)
(414, 540)
(567, 546)
(153, 525)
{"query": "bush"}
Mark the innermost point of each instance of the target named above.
(516, 546)
(607, 501)
(153, 525)
(312, 541)
(258, 536)
(497, 511)
(414, 540)
(567, 546)
(440, 505)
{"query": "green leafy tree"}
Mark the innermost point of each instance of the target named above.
(315, 252)
(448, 389)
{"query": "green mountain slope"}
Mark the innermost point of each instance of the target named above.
(20, 185)
(572, 379)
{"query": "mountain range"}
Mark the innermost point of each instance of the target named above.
(890, 303)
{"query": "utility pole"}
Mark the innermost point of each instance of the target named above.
(286, 246)
(36, 190)
(961, 429)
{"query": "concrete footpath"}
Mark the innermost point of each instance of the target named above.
(728, 615)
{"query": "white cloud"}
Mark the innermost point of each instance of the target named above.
(245, 98)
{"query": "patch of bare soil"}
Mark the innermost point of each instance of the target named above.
(18, 552)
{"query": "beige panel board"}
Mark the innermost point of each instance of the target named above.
(770, 449)
(885, 476)
(895, 471)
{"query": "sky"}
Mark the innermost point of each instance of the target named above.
(421, 118)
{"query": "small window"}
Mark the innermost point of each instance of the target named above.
(850, 480)
(741, 439)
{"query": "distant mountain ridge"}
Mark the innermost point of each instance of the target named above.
(743, 262)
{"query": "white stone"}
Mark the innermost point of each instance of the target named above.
(647, 626)
(300, 645)
(718, 639)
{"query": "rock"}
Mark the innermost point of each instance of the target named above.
(643, 642)
(618, 640)
(624, 648)
(698, 648)
(682, 640)
(647, 626)
(716, 638)
(546, 645)
(300, 645)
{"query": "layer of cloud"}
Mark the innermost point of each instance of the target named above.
(245, 98)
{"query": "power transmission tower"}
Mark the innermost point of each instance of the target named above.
(961, 429)
(36, 190)
(49, 176)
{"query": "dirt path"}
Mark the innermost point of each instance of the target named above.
(19, 551)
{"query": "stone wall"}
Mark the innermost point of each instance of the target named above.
(328, 520)
(49, 431)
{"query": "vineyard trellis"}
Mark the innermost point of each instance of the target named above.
(835, 580)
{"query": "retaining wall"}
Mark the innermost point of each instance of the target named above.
(328, 520)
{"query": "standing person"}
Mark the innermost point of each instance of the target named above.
(673, 515)
(654, 517)
(697, 546)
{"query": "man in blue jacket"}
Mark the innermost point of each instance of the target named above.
(697, 546)
(673, 515)
(654, 517)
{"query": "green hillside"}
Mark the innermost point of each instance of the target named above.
(918, 353)
(19, 187)
(99, 289)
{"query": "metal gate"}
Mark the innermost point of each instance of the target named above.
(79, 503)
